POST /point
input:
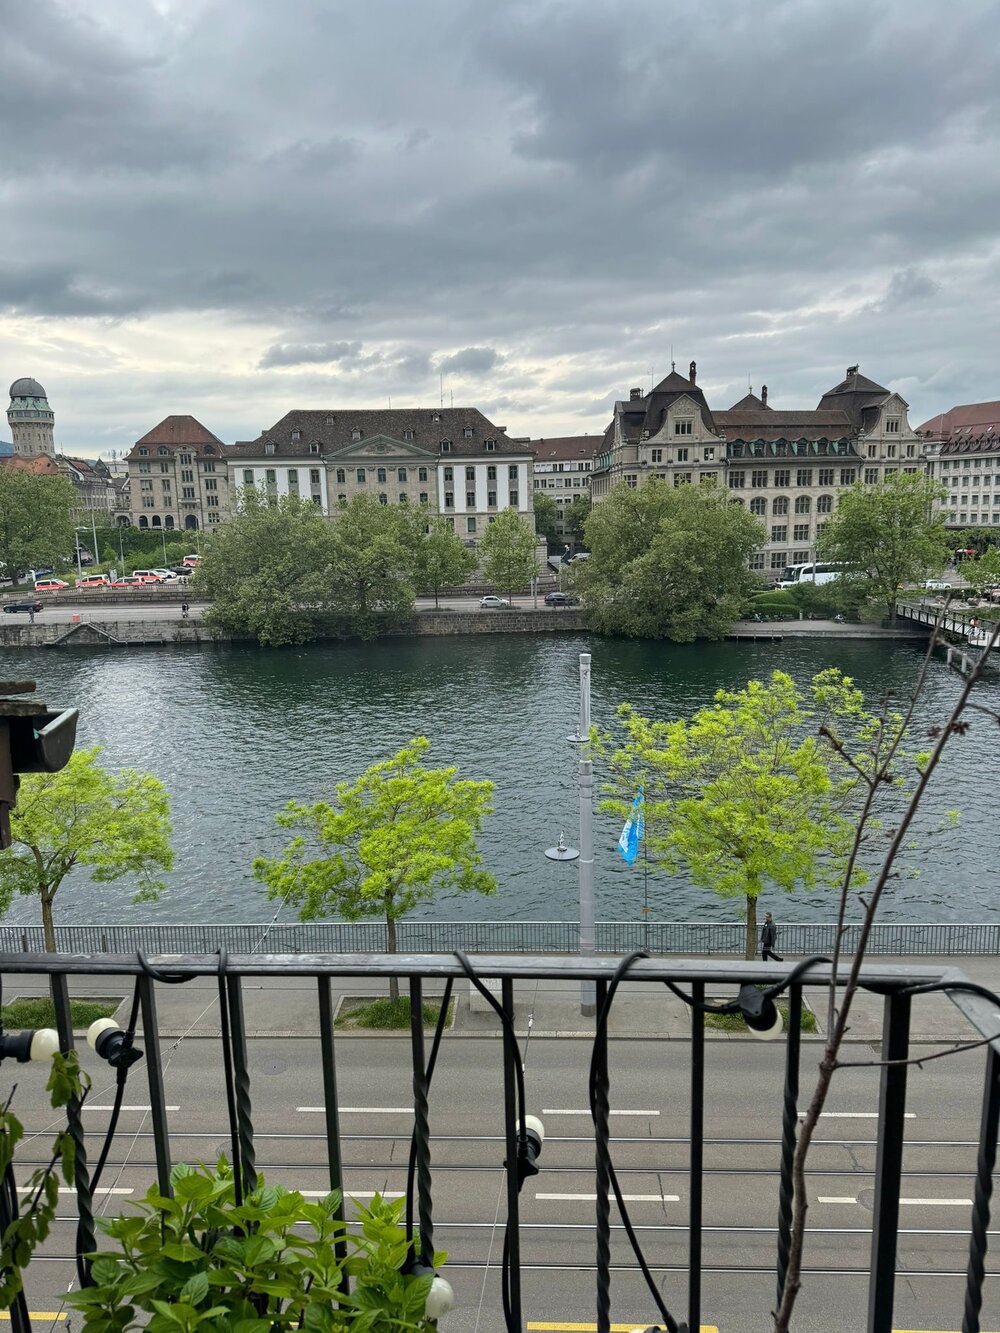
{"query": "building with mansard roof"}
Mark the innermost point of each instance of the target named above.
(453, 460)
(787, 466)
(962, 447)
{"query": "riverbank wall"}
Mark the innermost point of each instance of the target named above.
(112, 631)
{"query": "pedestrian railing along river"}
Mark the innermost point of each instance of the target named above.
(677, 1269)
(923, 939)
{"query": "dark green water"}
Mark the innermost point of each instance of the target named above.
(234, 733)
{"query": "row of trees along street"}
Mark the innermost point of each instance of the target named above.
(283, 573)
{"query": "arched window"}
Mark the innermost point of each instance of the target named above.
(168, 522)
(143, 521)
(191, 523)
(758, 506)
(383, 499)
(156, 520)
(403, 497)
(162, 451)
(802, 504)
(824, 505)
(780, 506)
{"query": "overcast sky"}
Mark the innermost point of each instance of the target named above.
(231, 208)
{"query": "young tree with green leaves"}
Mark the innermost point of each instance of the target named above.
(546, 515)
(745, 795)
(268, 570)
(668, 562)
(36, 524)
(397, 836)
(575, 517)
(507, 551)
(983, 573)
(889, 534)
(115, 825)
(375, 551)
(442, 560)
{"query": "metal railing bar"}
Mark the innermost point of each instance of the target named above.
(986, 1161)
(154, 1078)
(789, 1133)
(331, 1113)
(86, 1234)
(241, 1079)
(512, 1235)
(602, 1154)
(888, 1163)
(696, 1154)
(421, 1123)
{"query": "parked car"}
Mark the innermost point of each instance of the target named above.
(557, 599)
(50, 585)
(25, 604)
(192, 561)
(130, 581)
(937, 585)
(491, 603)
(94, 581)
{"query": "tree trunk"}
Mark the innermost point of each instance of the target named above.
(751, 948)
(47, 924)
(435, 597)
(390, 938)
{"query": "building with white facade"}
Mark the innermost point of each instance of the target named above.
(452, 460)
(962, 448)
(563, 467)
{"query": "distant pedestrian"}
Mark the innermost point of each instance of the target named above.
(184, 610)
(31, 614)
(768, 935)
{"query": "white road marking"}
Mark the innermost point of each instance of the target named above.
(834, 1198)
(90, 1106)
(358, 1110)
(943, 1203)
(854, 1115)
(67, 1189)
(353, 1194)
(552, 1112)
(629, 1198)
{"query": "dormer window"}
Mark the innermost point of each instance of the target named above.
(436, 417)
(446, 446)
(143, 453)
(162, 451)
(355, 434)
(491, 446)
(314, 448)
(208, 449)
(269, 447)
(467, 433)
(892, 426)
(407, 434)
(296, 436)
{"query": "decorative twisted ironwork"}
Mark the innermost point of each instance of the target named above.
(976, 1271)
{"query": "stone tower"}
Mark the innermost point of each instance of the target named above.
(32, 421)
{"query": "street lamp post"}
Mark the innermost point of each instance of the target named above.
(588, 992)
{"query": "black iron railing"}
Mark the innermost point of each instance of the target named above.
(694, 979)
(916, 939)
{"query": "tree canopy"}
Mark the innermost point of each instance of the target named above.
(36, 524)
(114, 824)
(546, 515)
(442, 560)
(983, 573)
(397, 836)
(575, 517)
(668, 563)
(745, 796)
(888, 533)
(507, 551)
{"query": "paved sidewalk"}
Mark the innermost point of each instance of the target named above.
(286, 1007)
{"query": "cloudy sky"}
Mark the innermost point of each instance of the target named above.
(234, 207)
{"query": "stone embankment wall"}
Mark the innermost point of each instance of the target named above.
(103, 633)
(561, 620)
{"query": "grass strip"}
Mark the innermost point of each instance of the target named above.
(388, 1015)
(735, 1023)
(39, 1012)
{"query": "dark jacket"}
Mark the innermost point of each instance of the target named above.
(768, 935)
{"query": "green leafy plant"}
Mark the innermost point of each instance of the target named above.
(37, 1212)
(199, 1260)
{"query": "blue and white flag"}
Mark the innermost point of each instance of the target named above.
(634, 830)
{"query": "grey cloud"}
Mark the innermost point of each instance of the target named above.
(470, 361)
(298, 354)
(908, 285)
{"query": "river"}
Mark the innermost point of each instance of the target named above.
(235, 732)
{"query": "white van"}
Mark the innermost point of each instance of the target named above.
(50, 585)
(148, 575)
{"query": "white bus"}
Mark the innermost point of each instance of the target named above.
(816, 571)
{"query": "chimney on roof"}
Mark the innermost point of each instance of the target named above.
(633, 394)
(763, 394)
(691, 372)
(851, 370)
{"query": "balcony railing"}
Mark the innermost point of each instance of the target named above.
(684, 1283)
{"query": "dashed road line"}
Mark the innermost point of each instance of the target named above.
(851, 1115)
(69, 1189)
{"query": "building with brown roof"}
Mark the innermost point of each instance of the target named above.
(178, 477)
(453, 460)
(788, 467)
(962, 447)
(563, 465)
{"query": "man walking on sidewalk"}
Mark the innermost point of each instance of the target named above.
(768, 935)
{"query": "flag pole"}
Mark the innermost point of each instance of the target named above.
(588, 989)
(645, 889)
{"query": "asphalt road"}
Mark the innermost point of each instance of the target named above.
(650, 1116)
(63, 613)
